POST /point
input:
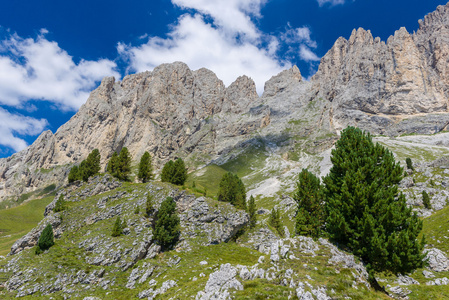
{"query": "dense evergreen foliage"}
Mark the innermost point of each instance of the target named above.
(118, 227)
(174, 172)
(232, 190)
(145, 167)
(426, 200)
(167, 228)
(252, 212)
(88, 167)
(311, 213)
(365, 210)
(112, 164)
(275, 221)
(46, 239)
(119, 165)
(409, 163)
(60, 204)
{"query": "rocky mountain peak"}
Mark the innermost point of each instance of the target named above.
(281, 81)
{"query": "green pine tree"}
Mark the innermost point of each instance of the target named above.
(93, 162)
(167, 228)
(426, 200)
(60, 204)
(74, 174)
(117, 229)
(123, 164)
(409, 163)
(252, 211)
(112, 164)
(168, 171)
(145, 167)
(311, 212)
(179, 176)
(46, 239)
(232, 190)
(365, 211)
(275, 221)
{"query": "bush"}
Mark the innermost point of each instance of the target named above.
(167, 229)
(60, 204)
(409, 163)
(118, 227)
(232, 190)
(309, 196)
(145, 167)
(46, 239)
(426, 200)
(366, 213)
(252, 212)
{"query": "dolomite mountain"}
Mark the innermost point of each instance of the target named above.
(390, 88)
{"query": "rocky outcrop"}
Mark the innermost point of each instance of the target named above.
(375, 84)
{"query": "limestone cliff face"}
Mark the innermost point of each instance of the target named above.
(171, 110)
(364, 76)
(393, 87)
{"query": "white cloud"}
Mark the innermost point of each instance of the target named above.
(306, 54)
(230, 45)
(331, 2)
(199, 44)
(11, 124)
(233, 16)
(39, 69)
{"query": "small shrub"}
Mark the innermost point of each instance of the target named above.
(409, 163)
(60, 204)
(137, 210)
(252, 212)
(426, 200)
(149, 209)
(166, 229)
(117, 230)
(232, 190)
(46, 239)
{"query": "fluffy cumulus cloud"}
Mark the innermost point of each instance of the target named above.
(221, 36)
(331, 2)
(39, 69)
(12, 124)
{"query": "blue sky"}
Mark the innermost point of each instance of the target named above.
(53, 53)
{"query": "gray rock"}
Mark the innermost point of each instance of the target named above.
(219, 283)
(438, 281)
(437, 260)
(428, 274)
(405, 280)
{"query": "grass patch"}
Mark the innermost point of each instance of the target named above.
(18, 221)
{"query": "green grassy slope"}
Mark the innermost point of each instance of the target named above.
(18, 221)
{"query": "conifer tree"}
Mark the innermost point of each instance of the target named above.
(426, 200)
(309, 196)
(117, 229)
(145, 167)
(409, 163)
(232, 190)
(112, 164)
(252, 212)
(123, 165)
(60, 204)
(168, 171)
(93, 162)
(275, 221)
(179, 176)
(46, 239)
(365, 210)
(166, 229)
(74, 174)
